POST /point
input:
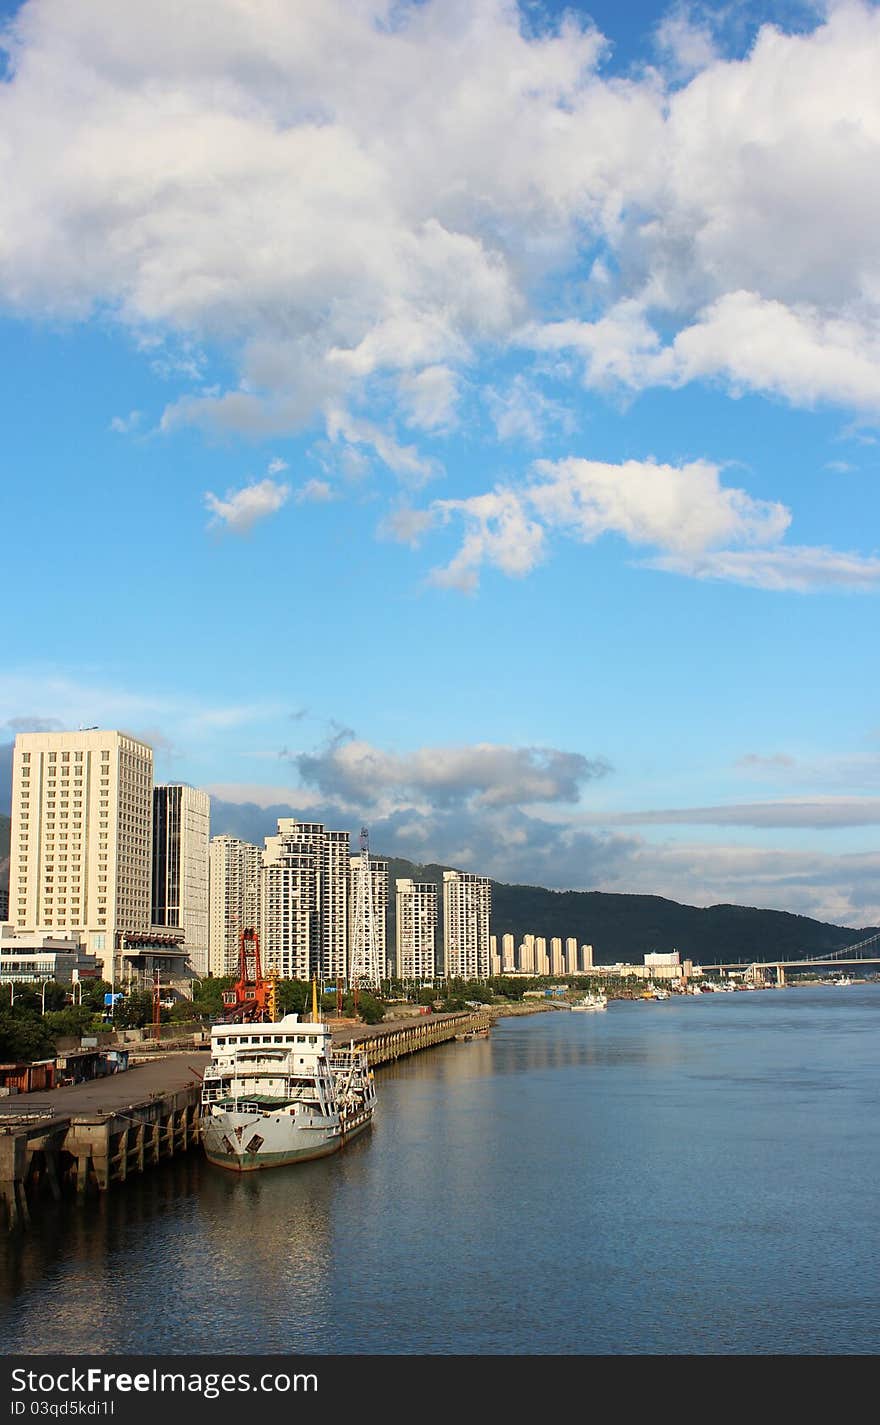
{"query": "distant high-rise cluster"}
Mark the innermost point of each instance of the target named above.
(103, 858)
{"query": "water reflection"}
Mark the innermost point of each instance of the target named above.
(672, 1178)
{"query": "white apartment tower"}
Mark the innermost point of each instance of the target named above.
(557, 963)
(467, 903)
(508, 953)
(416, 929)
(378, 890)
(571, 955)
(527, 955)
(304, 901)
(542, 963)
(81, 838)
(233, 899)
(181, 833)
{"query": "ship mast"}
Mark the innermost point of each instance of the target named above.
(364, 966)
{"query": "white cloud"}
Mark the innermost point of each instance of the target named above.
(497, 531)
(404, 460)
(314, 491)
(815, 812)
(406, 525)
(239, 510)
(683, 509)
(522, 412)
(799, 569)
(276, 466)
(124, 425)
(429, 398)
(490, 775)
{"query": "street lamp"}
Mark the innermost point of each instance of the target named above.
(43, 997)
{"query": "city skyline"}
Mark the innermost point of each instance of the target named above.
(460, 421)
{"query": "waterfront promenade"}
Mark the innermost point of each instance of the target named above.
(94, 1135)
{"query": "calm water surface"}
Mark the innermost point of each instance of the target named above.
(695, 1176)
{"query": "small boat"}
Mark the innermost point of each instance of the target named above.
(591, 1001)
(843, 980)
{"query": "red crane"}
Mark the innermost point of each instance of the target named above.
(250, 998)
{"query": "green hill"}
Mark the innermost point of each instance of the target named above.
(627, 927)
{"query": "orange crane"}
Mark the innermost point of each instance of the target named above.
(252, 997)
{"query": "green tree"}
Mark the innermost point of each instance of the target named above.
(135, 1010)
(24, 1036)
(72, 1022)
(91, 994)
(208, 995)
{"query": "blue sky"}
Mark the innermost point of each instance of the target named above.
(459, 419)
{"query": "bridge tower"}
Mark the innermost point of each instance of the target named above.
(365, 964)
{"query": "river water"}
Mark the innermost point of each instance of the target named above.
(694, 1176)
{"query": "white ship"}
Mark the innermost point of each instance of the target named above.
(278, 1093)
(593, 1000)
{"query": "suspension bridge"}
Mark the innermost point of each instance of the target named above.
(846, 955)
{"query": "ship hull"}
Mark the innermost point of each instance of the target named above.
(226, 1135)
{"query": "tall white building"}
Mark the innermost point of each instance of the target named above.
(378, 890)
(557, 963)
(181, 832)
(542, 963)
(81, 839)
(467, 902)
(233, 899)
(416, 905)
(571, 955)
(508, 952)
(304, 901)
(527, 955)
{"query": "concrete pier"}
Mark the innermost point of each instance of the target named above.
(87, 1138)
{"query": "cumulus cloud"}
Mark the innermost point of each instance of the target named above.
(683, 509)
(486, 774)
(239, 510)
(244, 178)
(515, 846)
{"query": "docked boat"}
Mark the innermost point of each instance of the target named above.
(279, 1092)
(594, 999)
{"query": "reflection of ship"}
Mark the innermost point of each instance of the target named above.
(277, 1093)
(592, 1000)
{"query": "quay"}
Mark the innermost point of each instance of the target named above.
(90, 1137)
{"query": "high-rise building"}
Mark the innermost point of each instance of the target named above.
(467, 902)
(233, 899)
(527, 955)
(416, 929)
(571, 955)
(508, 953)
(557, 963)
(378, 892)
(494, 957)
(304, 901)
(81, 839)
(586, 957)
(542, 963)
(181, 832)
